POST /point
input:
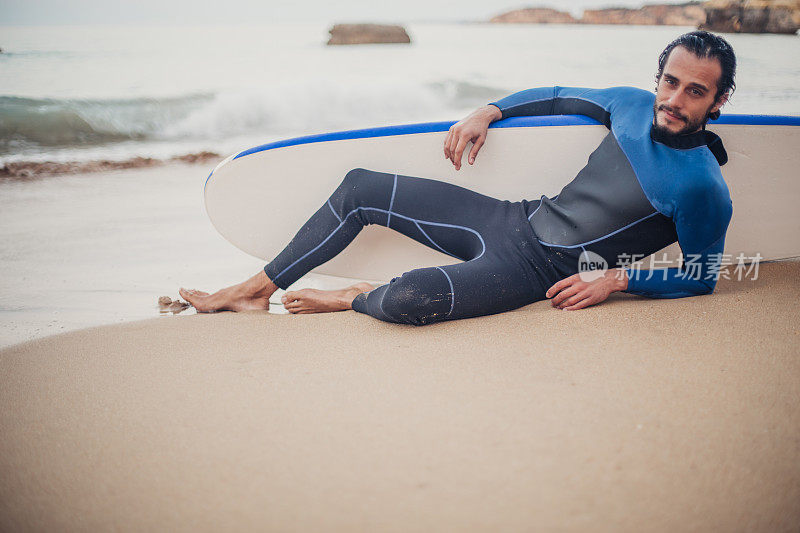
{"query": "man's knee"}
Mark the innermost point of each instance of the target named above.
(362, 188)
(361, 181)
(418, 297)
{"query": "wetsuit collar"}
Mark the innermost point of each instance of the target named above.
(692, 140)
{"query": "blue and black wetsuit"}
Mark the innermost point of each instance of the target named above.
(639, 192)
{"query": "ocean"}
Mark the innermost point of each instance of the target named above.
(104, 92)
(91, 249)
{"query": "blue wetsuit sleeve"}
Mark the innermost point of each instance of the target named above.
(598, 104)
(701, 235)
(697, 276)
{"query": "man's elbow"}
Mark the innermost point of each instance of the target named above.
(706, 287)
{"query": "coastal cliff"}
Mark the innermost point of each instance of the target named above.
(726, 16)
(689, 14)
(752, 16)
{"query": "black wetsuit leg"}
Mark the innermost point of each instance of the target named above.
(504, 266)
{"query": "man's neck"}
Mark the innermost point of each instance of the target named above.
(687, 141)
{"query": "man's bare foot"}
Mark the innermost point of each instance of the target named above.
(250, 295)
(317, 301)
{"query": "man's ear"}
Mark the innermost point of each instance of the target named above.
(723, 98)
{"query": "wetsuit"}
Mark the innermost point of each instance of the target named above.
(639, 192)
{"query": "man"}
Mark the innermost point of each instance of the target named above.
(653, 180)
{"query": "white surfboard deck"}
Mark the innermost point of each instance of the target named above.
(259, 198)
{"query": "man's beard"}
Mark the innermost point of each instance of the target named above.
(690, 127)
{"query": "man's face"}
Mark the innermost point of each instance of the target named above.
(686, 92)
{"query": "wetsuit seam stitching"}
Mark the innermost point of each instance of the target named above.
(537, 208)
(341, 224)
(334, 211)
(580, 245)
(391, 202)
(432, 241)
(636, 175)
(452, 292)
(380, 306)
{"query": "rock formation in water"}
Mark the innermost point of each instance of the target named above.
(367, 34)
(688, 14)
(535, 15)
(752, 16)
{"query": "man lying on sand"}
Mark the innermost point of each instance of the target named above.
(653, 180)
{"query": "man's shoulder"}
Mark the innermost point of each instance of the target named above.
(631, 91)
(632, 96)
(626, 104)
(623, 92)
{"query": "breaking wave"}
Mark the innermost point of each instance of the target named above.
(29, 124)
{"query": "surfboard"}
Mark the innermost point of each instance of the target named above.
(258, 198)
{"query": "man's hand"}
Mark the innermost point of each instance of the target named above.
(573, 293)
(471, 129)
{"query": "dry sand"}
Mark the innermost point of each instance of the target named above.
(636, 415)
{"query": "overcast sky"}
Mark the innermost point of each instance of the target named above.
(171, 12)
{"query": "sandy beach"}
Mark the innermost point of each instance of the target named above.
(636, 415)
(94, 248)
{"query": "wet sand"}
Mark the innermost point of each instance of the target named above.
(636, 415)
(26, 170)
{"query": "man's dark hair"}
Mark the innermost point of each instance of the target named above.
(704, 44)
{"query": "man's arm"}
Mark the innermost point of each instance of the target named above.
(598, 104)
(697, 276)
(701, 222)
(593, 103)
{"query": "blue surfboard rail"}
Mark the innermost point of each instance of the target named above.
(513, 122)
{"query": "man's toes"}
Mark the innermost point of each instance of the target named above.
(290, 296)
(194, 292)
(298, 295)
(297, 308)
(291, 304)
(192, 296)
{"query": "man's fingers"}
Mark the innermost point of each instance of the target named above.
(552, 291)
(566, 282)
(453, 145)
(451, 139)
(575, 298)
(447, 143)
(475, 148)
(462, 143)
(586, 302)
(563, 295)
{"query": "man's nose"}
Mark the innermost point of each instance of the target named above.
(675, 100)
